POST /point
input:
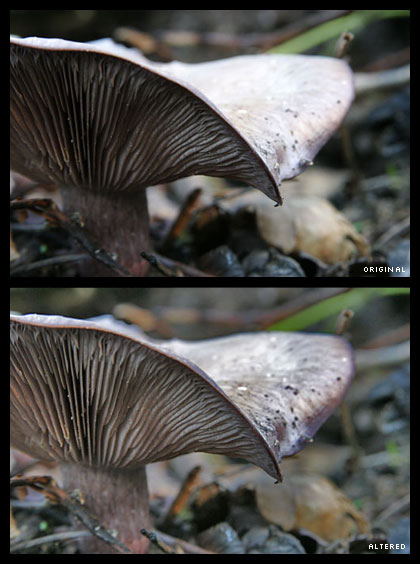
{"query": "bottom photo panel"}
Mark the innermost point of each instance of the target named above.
(210, 420)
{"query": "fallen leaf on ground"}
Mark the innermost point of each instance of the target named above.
(310, 224)
(311, 502)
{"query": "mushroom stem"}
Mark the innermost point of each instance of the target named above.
(117, 221)
(117, 498)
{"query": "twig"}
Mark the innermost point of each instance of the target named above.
(350, 435)
(389, 61)
(18, 546)
(183, 495)
(343, 44)
(351, 161)
(385, 356)
(173, 268)
(384, 181)
(48, 486)
(372, 81)
(186, 546)
(342, 325)
(343, 321)
(392, 337)
(161, 268)
(181, 221)
(143, 318)
(170, 541)
(399, 229)
(143, 41)
(48, 262)
(384, 458)
(162, 546)
(398, 506)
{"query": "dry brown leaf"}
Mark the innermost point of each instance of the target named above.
(312, 502)
(310, 224)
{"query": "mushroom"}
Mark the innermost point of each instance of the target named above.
(103, 123)
(104, 401)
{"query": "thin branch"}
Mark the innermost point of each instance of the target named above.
(169, 544)
(48, 262)
(182, 497)
(384, 356)
(373, 81)
(392, 337)
(399, 506)
(343, 45)
(343, 321)
(398, 229)
(173, 268)
(182, 219)
(161, 545)
(18, 546)
(349, 431)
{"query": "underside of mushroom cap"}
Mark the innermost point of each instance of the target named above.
(82, 394)
(287, 384)
(93, 394)
(102, 116)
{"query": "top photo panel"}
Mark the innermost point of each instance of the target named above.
(209, 143)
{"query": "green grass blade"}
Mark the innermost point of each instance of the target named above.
(334, 28)
(353, 299)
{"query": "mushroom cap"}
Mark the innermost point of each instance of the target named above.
(100, 394)
(101, 116)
